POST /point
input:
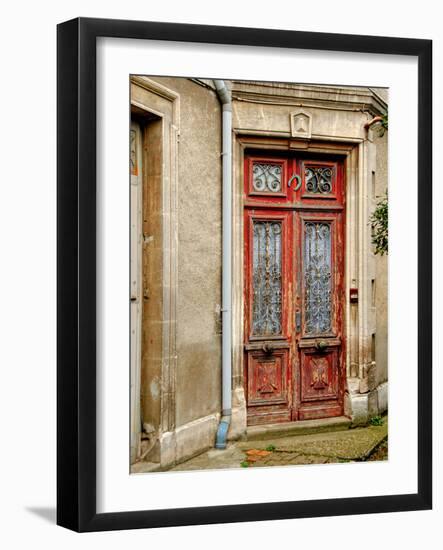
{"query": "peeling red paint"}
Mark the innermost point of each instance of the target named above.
(293, 375)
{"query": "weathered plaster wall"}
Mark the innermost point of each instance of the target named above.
(198, 375)
(381, 263)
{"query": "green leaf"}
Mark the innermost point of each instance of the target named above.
(379, 226)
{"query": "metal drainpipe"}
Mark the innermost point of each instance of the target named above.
(225, 421)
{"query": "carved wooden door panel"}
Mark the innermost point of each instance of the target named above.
(294, 248)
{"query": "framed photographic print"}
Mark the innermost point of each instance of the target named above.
(244, 274)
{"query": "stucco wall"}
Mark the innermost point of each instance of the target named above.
(198, 376)
(381, 263)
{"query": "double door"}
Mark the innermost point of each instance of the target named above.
(294, 292)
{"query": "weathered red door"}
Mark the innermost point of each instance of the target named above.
(294, 248)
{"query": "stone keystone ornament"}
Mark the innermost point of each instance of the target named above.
(301, 124)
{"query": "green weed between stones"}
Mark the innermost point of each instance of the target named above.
(376, 421)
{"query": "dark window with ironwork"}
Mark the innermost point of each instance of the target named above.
(317, 277)
(267, 278)
(318, 180)
(266, 177)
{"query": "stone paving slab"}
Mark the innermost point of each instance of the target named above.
(344, 446)
(301, 427)
(215, 459)
(353, 444)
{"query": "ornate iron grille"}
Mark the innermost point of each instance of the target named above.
(267, 278)
(317, 276)
(266, 178)
(318, 180)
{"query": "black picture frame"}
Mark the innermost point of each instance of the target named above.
(76, 274)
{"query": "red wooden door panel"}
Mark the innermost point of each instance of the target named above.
(268, 292)
(294, 258)
(266, 179)
(320, 339)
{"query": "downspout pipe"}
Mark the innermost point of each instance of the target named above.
(224, 96)
(373, 121)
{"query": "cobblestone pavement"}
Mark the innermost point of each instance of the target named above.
(351, 445)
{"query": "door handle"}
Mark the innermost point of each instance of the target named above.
(267, 349)
(321, 345)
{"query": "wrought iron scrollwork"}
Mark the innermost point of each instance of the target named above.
(266, 178)
(317, 277)
(267, 278)
(318, 180)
